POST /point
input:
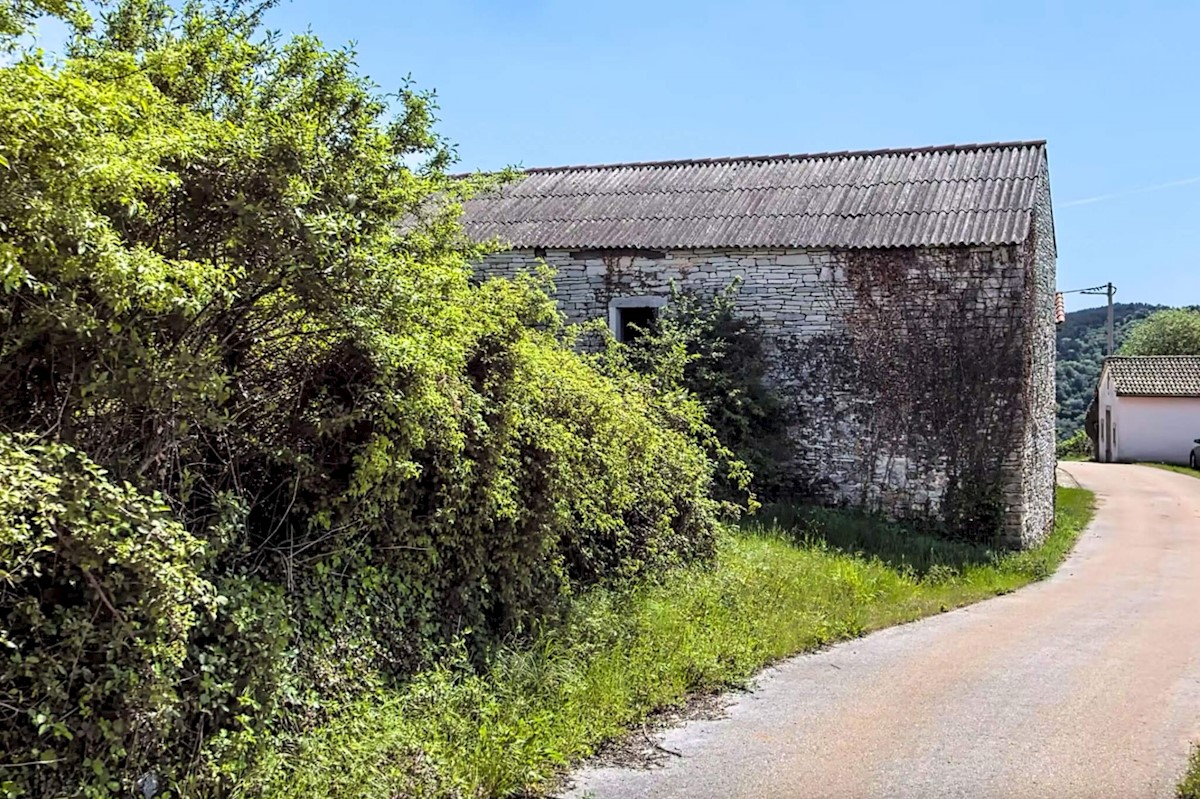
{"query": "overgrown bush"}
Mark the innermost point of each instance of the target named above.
(703, 345)
(224, 280)
(510, 729)
(1077, 446)
(100, 590)
(121, 660)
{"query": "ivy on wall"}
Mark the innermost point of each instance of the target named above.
(918, 401)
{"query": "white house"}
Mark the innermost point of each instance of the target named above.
(1148, 408)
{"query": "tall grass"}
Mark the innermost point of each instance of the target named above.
(777, 587)
(1190, 787)
(896, 544)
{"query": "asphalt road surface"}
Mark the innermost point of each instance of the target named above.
(1086, 685)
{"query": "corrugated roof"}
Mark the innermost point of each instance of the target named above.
(1156, 375)
(935, 196)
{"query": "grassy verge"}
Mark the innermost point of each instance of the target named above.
(1170, 467)
(777, 588)
(1190, 787)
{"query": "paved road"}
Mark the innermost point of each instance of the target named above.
(1086, 685)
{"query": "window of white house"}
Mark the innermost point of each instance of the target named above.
(629, 317)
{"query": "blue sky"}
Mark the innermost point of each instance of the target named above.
(1113, 86)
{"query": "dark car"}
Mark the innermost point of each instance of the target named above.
(1194, 458)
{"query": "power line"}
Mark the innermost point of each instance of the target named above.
(1108, 290)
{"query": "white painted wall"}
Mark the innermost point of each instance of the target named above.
(1156, 428)
(1108, 419)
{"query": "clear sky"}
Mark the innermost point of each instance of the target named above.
(1113, 86)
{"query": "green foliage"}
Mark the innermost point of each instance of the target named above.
(119, 654)
(1081, 347)
(99, 593)
(1170, 332)
(235, 279)
(1189, 788)
(702, 345)
(18, 17)
(622, 655)
(1077, 447)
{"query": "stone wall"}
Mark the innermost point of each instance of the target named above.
(1040, 457)
(792, 291)
(906, 370)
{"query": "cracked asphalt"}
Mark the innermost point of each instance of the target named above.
(1085, 685)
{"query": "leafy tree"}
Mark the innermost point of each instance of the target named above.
(18, 17)
(1169, 332)
(234, 292)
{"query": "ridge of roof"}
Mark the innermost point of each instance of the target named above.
(733, 159)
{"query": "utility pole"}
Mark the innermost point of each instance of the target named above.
(1108, 290)
(1111, 292)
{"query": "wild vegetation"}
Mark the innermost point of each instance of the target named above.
(699, 343)
(1077, 447)
(264, 444)
(1170, 332)
(1189, 788)
(281, 481)
(790, 582)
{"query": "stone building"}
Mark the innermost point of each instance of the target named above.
(907, 298)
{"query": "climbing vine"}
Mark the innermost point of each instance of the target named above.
(924, 380)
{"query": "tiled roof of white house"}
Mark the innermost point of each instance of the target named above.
(1156, 375)
(975, 194)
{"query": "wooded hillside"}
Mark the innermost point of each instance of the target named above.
(1081, 353)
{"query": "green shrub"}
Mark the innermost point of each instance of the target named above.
(121, 661)
(223, 279)
(99, 594)
(1077, 446)
(546, 475)
(703, 345)
(1189, 788)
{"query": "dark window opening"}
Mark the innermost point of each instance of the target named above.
(633, 322)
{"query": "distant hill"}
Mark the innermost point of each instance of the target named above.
(1081, 342)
